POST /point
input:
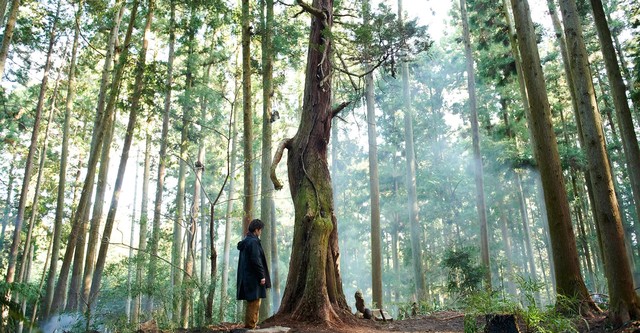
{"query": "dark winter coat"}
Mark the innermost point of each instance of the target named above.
(252, 267)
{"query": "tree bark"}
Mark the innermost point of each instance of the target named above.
(565, 254)
(313, 291)
(624, 302)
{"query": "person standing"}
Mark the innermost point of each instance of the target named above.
(253, 273)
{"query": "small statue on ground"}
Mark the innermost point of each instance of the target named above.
(366, 313)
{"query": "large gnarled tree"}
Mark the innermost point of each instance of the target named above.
(314, 289)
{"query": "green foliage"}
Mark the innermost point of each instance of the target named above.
(465, 274)
(543, 319)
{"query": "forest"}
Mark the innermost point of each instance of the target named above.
(451, 161)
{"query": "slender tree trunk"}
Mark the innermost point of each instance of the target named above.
(189, 261)
(414, 222)
(274, 269)
(162, 165)
(230, 200)
(618, 92)
(247, 117)
(79, 217)
(34, 310)
(176, 249)
(624, 302)
(477, 157)
(374, 182)
(266, 194)
(144, 218)
(8, 34)
(3, 10)
(57, 228)
(29, 248)
(98, 207)
(108, 122)
(199, 168)
(567, 270)
(15, 245)
(522, 203)
(7, 203)
(131, 245)
(138, 84)
(506, 239)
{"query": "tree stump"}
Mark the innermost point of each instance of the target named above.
(501, 323)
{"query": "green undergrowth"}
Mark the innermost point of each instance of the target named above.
(532, 317)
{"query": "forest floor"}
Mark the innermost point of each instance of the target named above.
(439, 322)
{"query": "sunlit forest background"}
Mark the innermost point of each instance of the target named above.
(132, 150)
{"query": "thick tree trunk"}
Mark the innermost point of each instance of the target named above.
(62, 176)
(624, 302)
(567, 269)
(314, 289)
(477, 157)
(374, 182)
(162, 165)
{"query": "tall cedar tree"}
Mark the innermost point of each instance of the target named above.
(569, 280)
(374, 181)
(266, 195)
(162, 166)
(624, 304)
(22, 203)
(412, 196)
(477, 157)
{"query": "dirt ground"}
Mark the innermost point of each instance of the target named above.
(440, 322)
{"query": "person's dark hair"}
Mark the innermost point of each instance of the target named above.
(255, 225)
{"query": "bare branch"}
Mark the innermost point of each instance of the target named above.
(286, 143)
(339, 108)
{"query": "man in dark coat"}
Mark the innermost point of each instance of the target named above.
(253, 273)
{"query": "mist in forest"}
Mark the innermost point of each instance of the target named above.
(185, 168)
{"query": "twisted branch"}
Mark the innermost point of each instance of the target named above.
(286, 143)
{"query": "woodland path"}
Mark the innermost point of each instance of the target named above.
(439, 322)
